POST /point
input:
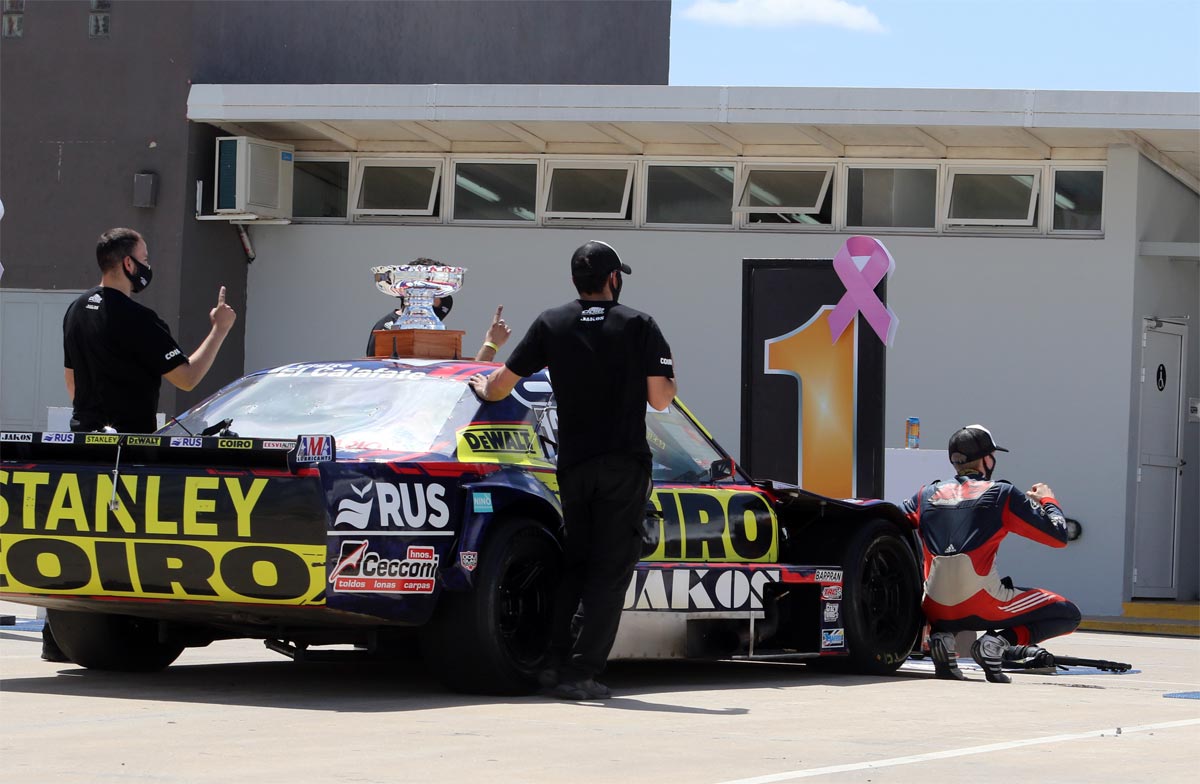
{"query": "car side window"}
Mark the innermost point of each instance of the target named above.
(680, 452)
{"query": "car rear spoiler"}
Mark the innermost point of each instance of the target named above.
(234, 452)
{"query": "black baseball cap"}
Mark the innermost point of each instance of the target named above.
(596, 258)
(971, 443)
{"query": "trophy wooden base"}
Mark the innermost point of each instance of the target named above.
(418, 343)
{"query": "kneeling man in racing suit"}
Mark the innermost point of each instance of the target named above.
(961, 524)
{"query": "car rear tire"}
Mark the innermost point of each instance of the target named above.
(100, 641)
(493, 639)
(881, 604)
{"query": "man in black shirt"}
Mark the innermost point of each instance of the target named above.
(606, 362)
(116, 352)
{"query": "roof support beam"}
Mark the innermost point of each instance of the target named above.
(823, 139)
(235, 129)
(616, 134)
(1033, 142)
(721, 138)
(331, 133)
(537, 143)
(431, 136)
(929, 143)
(1156, 155)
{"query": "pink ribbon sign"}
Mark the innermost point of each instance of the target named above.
(860, 286)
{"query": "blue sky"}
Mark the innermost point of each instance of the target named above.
(1144, 45)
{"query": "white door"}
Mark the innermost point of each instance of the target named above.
(31, 356)
(1160, 462)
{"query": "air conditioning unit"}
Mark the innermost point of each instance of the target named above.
(254, 178)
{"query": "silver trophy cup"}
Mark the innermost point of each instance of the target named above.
(419, 286)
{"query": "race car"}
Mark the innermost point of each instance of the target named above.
(379, 504)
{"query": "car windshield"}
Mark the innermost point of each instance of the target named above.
(381, 410)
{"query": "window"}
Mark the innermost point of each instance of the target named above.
(99, 19)
(495, 191)
(679, 452)
(693, 194)
(14, 18)
(1078, 198)
(397, 187)
(783, 190)
(320, 188)
(588, 190)
(993, 197)
(816, 185)
(891, 198)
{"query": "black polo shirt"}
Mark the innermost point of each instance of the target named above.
(599, 355)
(119, 351)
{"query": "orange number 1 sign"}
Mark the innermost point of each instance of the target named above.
(825, 372)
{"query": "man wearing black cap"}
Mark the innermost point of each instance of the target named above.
(962, 524)
(606, 362)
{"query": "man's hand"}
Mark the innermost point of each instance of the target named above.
(222, 316)
(493, 386)
(1040, 491)
(479, 383)
(499, 331)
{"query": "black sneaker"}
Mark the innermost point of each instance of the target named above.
(582, 690)
(945, 659)
(988, 653)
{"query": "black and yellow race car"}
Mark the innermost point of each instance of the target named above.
(379, 504)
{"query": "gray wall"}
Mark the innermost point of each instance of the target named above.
(1167, 287)
(1020, 333)
(435, 42)
(81, 116)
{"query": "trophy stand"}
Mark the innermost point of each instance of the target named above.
(418, 343)
(418, 332)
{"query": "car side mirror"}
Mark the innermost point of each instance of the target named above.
(720, 469)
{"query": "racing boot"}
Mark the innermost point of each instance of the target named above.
(945, 659)
(988, 653)
(1033, 655)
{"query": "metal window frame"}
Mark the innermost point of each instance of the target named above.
(362, 163)
(1034, 192)
(553, 164)
(742, 187)
(325, 157)
(449, 204)
(1051, 184)
(933, 165)
(701, 162)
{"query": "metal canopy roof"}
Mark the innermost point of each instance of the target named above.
(798, 122)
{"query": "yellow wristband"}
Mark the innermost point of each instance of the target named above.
(491, 345)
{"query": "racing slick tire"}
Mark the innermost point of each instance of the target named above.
(493, 639)
(100, 641)
(881, 604)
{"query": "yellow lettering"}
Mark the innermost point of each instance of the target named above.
(193, 505)
(244, 504)
(153, 524)
(31, 480)
(3, 500)
(67, 504)
(104, 494)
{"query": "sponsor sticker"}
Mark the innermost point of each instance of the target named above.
(831, 593)
(143, 440)
(278, 444)
(833, 638)
(828, 575)
(401, 506)
(193, 442)
(361, 571)
(832, 612)
(314, 449)
(469, 559)
(481, 502)
(498, 443)
(699, 589)
(58, 438)
(234, 443)
(101, 439)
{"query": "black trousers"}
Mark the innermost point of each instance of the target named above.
(604, 505)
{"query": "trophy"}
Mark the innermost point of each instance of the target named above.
(418, 332)
(419, 286)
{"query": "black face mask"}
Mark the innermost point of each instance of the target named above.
(141, 276)
(988, 471)
(618, 284)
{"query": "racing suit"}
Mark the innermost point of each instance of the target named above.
(961, 524)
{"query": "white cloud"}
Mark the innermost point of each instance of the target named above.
(775, 13)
